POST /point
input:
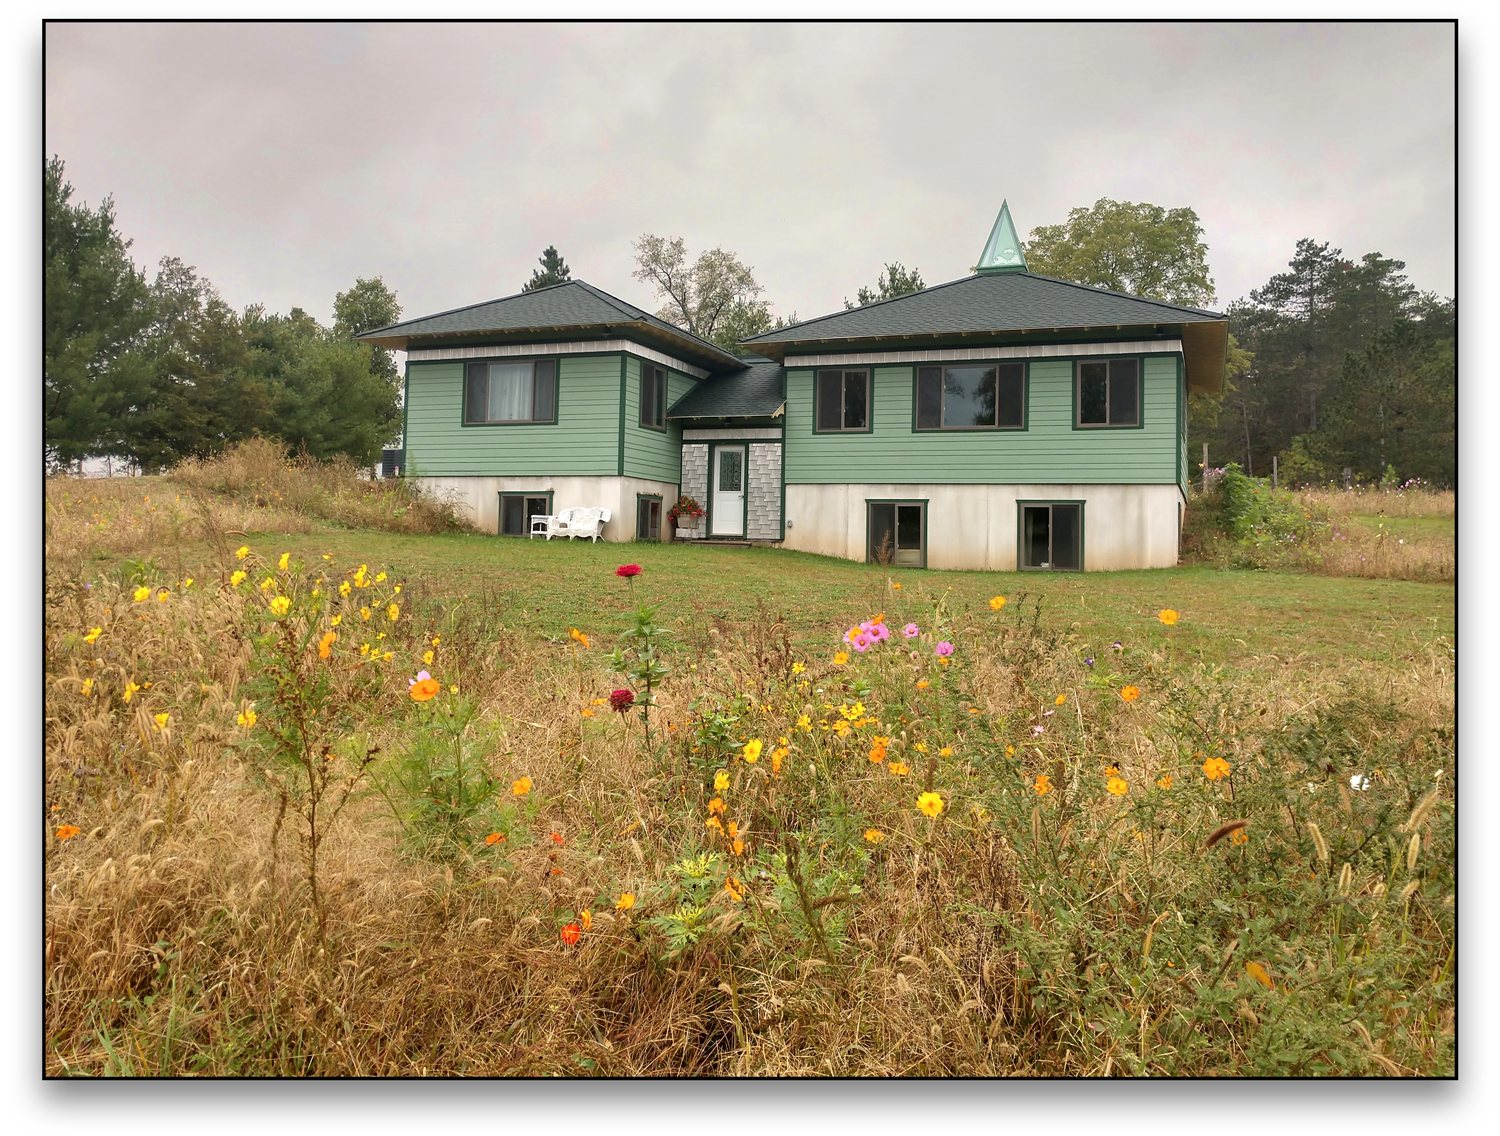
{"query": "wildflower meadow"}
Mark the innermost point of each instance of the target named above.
(354, 801)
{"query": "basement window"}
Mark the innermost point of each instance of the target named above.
(517, 509)
(511, 392)
(1109, 393)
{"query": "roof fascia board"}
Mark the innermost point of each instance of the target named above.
(575, 347)
(955, 354)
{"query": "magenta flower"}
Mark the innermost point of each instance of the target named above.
(621, 701)
(861, 641)
(943, 649)
(878, 632)
(911, 631)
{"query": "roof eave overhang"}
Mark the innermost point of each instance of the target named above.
(690, 350)
(778, 351)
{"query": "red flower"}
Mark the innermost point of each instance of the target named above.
(628, 570)
(621, 700)
(557, 838)
(570, 933)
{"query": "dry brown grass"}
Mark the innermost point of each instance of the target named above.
(1006, 938)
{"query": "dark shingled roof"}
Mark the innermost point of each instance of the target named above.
(1007, 301)
(572, 305)
(757, 391)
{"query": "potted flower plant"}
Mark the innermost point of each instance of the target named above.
(684, 517)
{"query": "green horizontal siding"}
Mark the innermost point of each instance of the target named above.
(1050, 450)
(655, 454)
(584, 441)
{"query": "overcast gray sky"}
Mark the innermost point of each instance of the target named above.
(284, 161)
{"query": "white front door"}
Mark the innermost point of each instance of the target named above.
(729, 492)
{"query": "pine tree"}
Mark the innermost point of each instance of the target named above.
(553, 270)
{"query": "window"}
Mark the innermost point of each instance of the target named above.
(1052, 536)
(517, 509)
(647, 518)
(653, 397)
(896, 529)
(511, 392)
(987, 396)
(843, 401)
(1109, 392)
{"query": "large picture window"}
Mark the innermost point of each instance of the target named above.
(1109, 392)
(843, 401)
(653, 397)
(985, 396)
(511, 392)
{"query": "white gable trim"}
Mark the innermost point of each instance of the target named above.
(589, 346)
(962, 354)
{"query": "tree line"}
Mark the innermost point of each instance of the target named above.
(151, 372)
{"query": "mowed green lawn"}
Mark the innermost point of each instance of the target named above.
(1244, 619)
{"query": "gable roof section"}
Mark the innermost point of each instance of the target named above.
(756, 391)
(571, 307)
(1008, 303)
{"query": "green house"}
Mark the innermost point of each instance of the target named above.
(1002, 421)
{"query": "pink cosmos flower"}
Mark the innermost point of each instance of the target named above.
(861, 641)
(878, 632)
(943, 649)
(1035, 730)
(911, 631)
(422, 676)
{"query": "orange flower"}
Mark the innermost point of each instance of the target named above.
(735, 889)
(1165, 782)
(1167, 616)
(557, 838)
(494, 838)
(424, 689)
(923, 684)
(586, 919)
(874, 835)
(578, 636)
(571, 933)
(716, 806)
(899, 768)
(713, 822)
(1215, 767)
(1117, 786)
(1130, 693)
(739, 847)
(325, 644)
(625, 902)
(1240, 836)
(840, 658)
(520, 788)
(877, 755)
(1043, 785)
(68, 831)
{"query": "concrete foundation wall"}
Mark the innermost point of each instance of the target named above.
(975, 526)
(479, 497)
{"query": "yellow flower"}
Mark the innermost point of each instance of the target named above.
(129, 692)
(840, 658)
(364, 613)
(1215, 767)
(930, 803)
(798, 668)
(899, 768)
(393, 613)
(946, 751)
(344, 588)
(1165, 781)
(752, 750)
(427, 657)
(237, 578)
(241, 552)
(520, 788)
(1167, 616)
(161, 596)
(162, 720)
(88, 686)
(721, 781)
(387, 656)
(142, 593)
(1117, 786)
(625, 902)
(398, 589)
(280, 605)
(246, 718)
(997, 603)
(586, 712)
(895, 587)
(454, 688)
(265, 585)
(380, 579)
(1043, 785)
(804, 722)
(335, 621)
(842, 728)
(94, 633)
(874, 835)
(1129, 693)
(364, 648)
(1010, 751)
(286, 558)
(585, 920)
(1059, 700)
(923, 684)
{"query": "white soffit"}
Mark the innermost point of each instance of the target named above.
(965, 354)
(585, 347)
